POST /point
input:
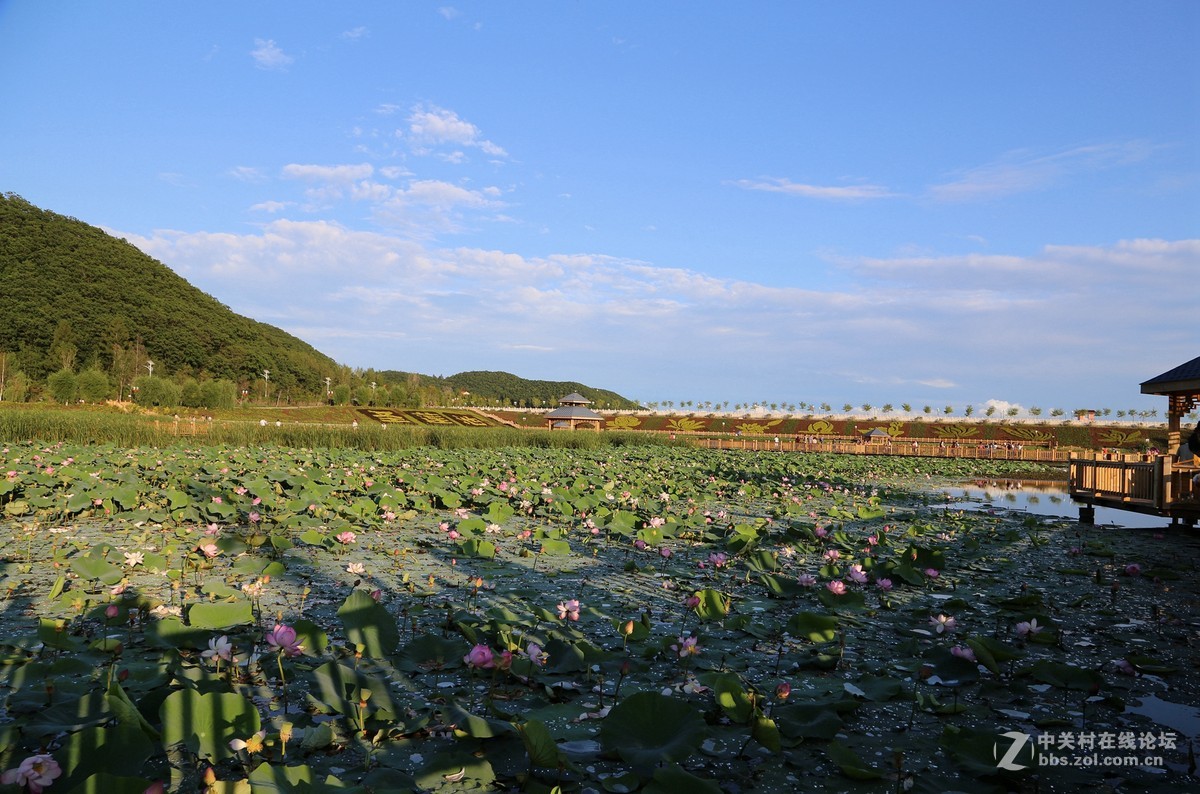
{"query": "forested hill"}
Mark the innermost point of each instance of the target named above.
(72, 296)
(505, 388)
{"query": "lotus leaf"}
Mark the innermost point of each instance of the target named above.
(369, 624)
(648, 729)
(204, 722)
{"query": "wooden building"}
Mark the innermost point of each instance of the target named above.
(1165, 485)
(573, 413)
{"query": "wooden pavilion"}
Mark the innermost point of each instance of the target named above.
(573, 413)
(1162, 485)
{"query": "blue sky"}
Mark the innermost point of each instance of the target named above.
(932, 203)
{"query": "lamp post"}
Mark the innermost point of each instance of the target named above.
(150, 367)
(266, 384)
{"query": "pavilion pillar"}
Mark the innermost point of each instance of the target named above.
(1173, 416)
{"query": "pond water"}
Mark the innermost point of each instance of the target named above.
(1045, 498)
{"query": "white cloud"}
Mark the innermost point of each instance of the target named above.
(268, 55)
(271, 206)
(832, 192)
(354, 34)
(372, 299)
(433, 126)
(328, 173)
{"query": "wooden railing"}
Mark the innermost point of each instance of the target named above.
(901, 447)
(1139, 481)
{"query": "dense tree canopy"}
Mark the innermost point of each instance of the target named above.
(71, 296)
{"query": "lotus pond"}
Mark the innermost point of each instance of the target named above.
(615, 620)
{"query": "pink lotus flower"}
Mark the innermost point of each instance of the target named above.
(35, 772)
(219, 648)
(718, 559)
(568, 610)
(884, 584)
(932, 573)
(832, 555)
(282, 639)
(209, 549)
(691, 602)
(480, 657)
(639, 544)
(820, 532)
(806, 580)
(345, 538)
(1027, 628)
(837, 587)
(536, 654)
(943, 624)
(1133, 569)
(857, 575)
(254, 517)
(665, 553)
(963, 652)
(686, 647)
(216, 500)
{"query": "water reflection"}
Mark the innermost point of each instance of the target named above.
(1039, 497)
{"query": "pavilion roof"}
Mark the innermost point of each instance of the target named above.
(1182, 379)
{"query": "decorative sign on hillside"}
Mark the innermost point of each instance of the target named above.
(412, 416)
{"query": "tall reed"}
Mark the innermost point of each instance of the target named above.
(134, 430)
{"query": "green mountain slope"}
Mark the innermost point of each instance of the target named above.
(67, 287)
(74, 297)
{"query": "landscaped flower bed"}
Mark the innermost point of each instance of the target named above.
(617, 620)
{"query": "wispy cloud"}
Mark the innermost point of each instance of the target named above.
(354, 34)
(268, 55)
(245, 173)
(1023, 171)
(828, 192)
